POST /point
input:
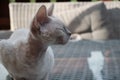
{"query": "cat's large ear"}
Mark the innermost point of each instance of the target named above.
(50, 10)
(41, 15)
(40, 18)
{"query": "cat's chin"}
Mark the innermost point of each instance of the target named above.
(62, 42)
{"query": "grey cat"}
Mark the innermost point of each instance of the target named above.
(27, 54)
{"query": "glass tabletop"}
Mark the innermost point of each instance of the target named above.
(84, 60)
(87, 60)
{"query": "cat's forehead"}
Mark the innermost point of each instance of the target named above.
(56, 21)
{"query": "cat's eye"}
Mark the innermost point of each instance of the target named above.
(66, 31)
(60, 29)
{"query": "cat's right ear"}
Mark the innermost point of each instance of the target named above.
(40, 18)
(41, 15)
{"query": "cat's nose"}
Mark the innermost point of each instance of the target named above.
(69, 33)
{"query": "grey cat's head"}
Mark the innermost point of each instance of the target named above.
(48, 28)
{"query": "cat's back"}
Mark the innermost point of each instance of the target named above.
(6, 50)
(7, 45)
(19, 35)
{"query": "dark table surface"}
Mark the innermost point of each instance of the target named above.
(72, 61)
(86, 60)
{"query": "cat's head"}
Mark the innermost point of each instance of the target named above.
(48, 28)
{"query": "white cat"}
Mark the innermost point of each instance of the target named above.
(27, 54)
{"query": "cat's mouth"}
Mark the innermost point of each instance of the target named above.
(61, 40)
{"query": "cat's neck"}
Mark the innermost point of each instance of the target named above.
(36, 47)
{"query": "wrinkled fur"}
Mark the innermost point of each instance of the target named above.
(27, 54)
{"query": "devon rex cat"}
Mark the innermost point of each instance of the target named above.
(27, 54)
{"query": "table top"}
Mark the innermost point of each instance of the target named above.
(86, 60)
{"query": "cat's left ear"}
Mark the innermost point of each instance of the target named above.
(50, 10)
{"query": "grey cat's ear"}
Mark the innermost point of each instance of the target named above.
(41, 15)
(50, 10)
(40, 18)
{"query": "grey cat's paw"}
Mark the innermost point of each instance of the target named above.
(8, 77)
(75, 37)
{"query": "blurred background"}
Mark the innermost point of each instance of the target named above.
(4, 10)
(73, 61)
